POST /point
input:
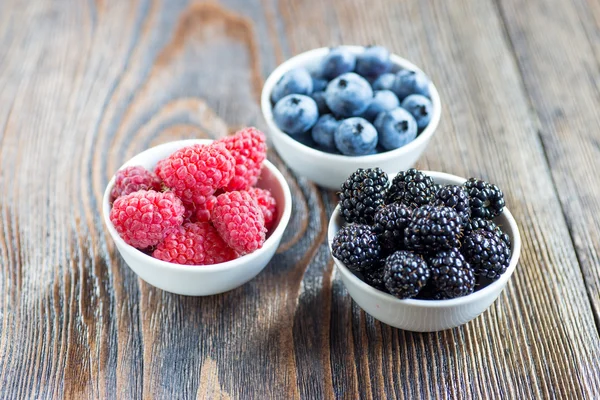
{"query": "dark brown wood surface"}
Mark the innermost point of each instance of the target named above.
(84, 85)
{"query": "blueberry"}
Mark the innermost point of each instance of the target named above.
(295, 81)
(396, 128)
(324, 130)
(306, 139)
(319, 85)
(420, 107)
(295, 114)
(410, 82)
(374, 61)
(348, 95)
(338, 61)
(384, 82)
(356, 137)
(319, 98)
(383, 100)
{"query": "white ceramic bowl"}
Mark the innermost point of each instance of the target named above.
(427, 315)
(330, 170)
(202, 280)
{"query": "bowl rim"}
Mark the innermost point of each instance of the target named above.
(275, 236)
(473, 297)
(307, 56)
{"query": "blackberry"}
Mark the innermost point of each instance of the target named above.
(486, 199)
(430, 292)
(412, 188)
(362, 194)
(374, 278)
(456, 197)
(406, 273)
(357, 247)
(487, 225)
(487, 253)
(390, 222)
(433, 228)
(451, 274)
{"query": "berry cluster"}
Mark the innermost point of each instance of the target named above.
(413, 238)
(199, 206)
(353, 104)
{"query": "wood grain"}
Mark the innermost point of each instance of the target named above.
(86, 85)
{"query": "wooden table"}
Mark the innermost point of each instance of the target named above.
(84, 85)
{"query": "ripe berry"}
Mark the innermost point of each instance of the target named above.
(248, 147)
(411, 187)
(406, 273)
(451, 274)
(455, 197)
(132, 179)
(390, 222)
(357, 247)
(267, 204)
(486, 199)
(487, 253)
(362, 194)
(433, 228)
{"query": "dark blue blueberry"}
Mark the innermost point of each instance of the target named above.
(295, 114)
(356, 137)
(384, 82)
(396, 128)
(338, 61)
(420, 107)
(410, 82)
(295, 81)
(319, 98)
(383, 100)
(348, 95)
(374, 61)
(306, 139)
(319, 85)
(324, 130)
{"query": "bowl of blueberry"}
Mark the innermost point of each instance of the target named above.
(422, 251)
(332, 110)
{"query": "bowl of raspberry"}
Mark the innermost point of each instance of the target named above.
(198, 217)
(422, 251)
(338, 109)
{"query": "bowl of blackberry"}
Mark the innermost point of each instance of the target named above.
(420, 250)
(347, 107)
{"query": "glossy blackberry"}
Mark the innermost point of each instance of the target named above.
(430, 292)
(433, 228)
(390, 222)
(406, 273)
(357, 247)
(412, 188)
(374, 278)
(456, 197)
(451, 274)
(487, 225)
(362, 194)
(488, 255)
(486, 199)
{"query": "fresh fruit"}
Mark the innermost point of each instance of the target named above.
(406, 273)
(194, 244)
(240, 221)
(319, 98)
(451, 274)
(195, 172)
(362, 194)
(433, 228)
(338, 61)
(355, 137)
(143, 218)
(456, 197)
(372, 62)
(420, 108)
(374, 277)
(411, 187)
(319, 85)
(295, 81)
(488, 254)
(348, 95)
(132, 179)
(324, 130)
(357, 247)
(249, 148)
(486, 199)
(383, 100)
(384, 82)
(410, 82)
(295, 114)
(487, 225)
(390, 222)
(267, 204)
(396, 128)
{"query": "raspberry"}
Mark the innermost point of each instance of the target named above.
(132, 179)
(143, 218)
(267, 205)
(249, 149)
(195, 172)
(202, 212)
(194, 244)
(240, 222)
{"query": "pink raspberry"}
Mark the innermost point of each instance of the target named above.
(249, 149)
(202, 212)
(194, 244)
(267, 205)
(240, 222)
(132, 179)
(143, 218)
(194, 173)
